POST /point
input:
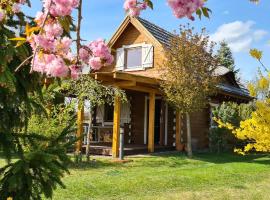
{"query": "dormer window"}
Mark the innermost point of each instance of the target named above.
(134, 57)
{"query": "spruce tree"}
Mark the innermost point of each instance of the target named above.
(225, 57)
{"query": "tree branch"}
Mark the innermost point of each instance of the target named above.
(78, 41)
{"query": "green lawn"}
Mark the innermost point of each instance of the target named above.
(170, 176)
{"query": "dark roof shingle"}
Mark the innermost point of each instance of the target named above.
(159, 33)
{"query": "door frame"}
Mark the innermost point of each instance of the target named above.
(146, 120)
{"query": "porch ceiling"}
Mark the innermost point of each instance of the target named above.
(128, 81)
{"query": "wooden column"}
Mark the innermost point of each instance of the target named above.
(80, 118)
(151, 127)
(116, 127)
(178, 144)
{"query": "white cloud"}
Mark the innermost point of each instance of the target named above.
(259, 34)
(238, 34)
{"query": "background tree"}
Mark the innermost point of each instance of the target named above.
(188, 74)
(225, 57)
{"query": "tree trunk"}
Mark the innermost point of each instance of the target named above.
(90, 126)
(189, 147)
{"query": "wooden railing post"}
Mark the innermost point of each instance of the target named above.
(116, 127)
(80, 118)
(151, 127)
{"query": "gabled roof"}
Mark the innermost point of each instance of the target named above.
(156, 34)
(159, 33)
(162, 37)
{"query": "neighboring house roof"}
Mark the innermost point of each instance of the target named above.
(221, 71)
(234, 90)
(159, 33)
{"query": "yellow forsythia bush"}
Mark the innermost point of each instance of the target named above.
(255, 130)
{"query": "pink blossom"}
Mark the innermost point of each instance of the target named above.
(95, 63)
(134, 7)
(130, 4)
(185, 8)
(47, 43)
(57, 67)
(100, 50)
(63, 46)
(69, 56)
(60, 7)
(53, 30)
(2, 15)
(39, 64)
(143, 6)
(109, 59)
(134, 12)
(40, 16)
(75, 71)
(84, 55)
(16, 8)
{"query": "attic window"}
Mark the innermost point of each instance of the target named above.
(133, 58)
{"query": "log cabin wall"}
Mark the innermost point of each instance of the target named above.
(171, 124)
(137, 117)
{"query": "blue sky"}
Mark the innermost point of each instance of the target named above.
(243, 24)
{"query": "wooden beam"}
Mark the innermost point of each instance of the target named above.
(151, 126)
(143, 89)
(103, 77)
(116, 127)
(125, 84)
(137, 78)
(80, 118)
(178, 144)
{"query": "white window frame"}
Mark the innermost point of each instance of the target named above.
(125, 47)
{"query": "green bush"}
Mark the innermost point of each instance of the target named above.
(221, 139)
(51, 124)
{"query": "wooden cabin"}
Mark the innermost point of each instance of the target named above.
(149, 123)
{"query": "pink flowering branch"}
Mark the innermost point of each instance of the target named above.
(41, 29)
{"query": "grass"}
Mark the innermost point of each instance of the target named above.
(170, 176)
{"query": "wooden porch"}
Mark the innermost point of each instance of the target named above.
(129, 149)
(143, 85)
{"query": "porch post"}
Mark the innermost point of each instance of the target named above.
(116, 127)
(151, 128)
(178, 127)
(80, 118)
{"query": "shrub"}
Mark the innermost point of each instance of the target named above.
(222, 139)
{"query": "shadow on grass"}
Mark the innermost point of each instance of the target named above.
(173, 159)
(220, 158)
(94, 164)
